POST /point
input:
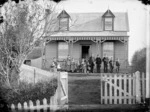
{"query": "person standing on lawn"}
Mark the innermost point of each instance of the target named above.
(98, 64)
(117, 65)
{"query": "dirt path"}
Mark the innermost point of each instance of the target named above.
(84, 89)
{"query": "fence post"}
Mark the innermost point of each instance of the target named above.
(59, 88)
(19, 107)
(13, 108)
(143, 87)
(134, 88)
(138, 87)
(45, 104)
(67, 86)
(31, 106)
(37, 105)
(25, 107)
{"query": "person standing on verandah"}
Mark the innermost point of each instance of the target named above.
(98, 64)
(105, 61)
(91, 62)
(111, 65)
(68, 63)
(117, 65)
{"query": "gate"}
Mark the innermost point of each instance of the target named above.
(122, 88)
(62, 88)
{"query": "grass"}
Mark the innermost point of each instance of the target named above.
(84, 92)
(84, 96)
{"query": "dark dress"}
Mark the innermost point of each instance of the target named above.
(98, 63)
(91, 64)
(111, 66)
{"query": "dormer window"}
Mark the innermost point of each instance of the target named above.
(63, 21)
(108, 21)
(108, 24)
(63, 24)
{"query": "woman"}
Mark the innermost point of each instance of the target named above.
(68, 63)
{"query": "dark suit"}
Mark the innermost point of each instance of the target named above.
(105, 61)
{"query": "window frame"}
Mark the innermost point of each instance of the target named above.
(112, 25)
(61, 23)
(109, 45)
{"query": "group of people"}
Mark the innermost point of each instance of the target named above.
(90, 65)
(108, 64)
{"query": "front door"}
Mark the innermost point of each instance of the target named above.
(85, 51)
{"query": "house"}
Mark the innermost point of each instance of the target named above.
(82, 35)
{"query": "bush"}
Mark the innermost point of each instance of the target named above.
(26, 92)
(139, 61)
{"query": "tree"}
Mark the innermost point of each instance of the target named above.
(145, 2)
(24, 24)
(139, 61)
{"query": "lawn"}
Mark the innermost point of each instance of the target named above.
(84, 96)
(84, 90)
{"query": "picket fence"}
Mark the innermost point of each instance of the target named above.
(58, 101)
(30, 107)
(123, 88)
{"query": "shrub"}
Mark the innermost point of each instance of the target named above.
(26, 92)
(139, 61)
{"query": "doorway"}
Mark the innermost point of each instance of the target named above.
(85, 51)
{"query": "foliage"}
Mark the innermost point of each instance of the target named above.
(24, 24)
(26, 92)
(145, 2)
(139, 61)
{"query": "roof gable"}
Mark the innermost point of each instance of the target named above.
(94, 22)
(108, 13)
(63, 14)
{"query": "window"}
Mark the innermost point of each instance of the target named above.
(108, 24)
(62, 50)
(63, 24)
(108, 49)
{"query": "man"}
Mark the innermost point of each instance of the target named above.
(105, 61)
(98, 64)
(117, 65)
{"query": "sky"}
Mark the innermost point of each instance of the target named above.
(136, 13)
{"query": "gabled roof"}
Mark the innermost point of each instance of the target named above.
(108, 13)
(93, 22)
(63, 14)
